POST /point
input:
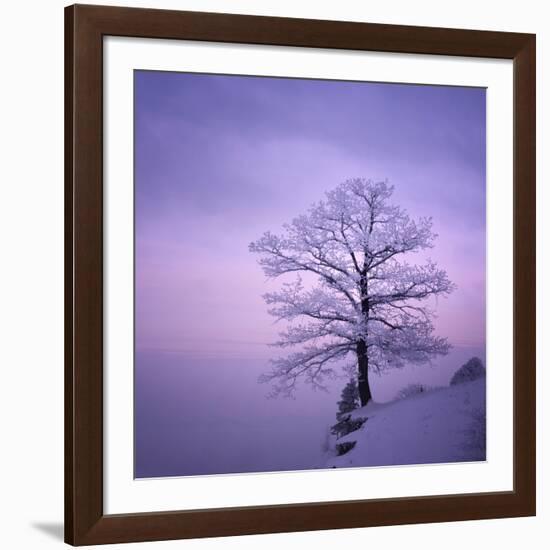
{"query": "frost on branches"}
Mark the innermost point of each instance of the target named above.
(367, 309)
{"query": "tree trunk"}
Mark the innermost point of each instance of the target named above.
(362, 350)
(363, 373)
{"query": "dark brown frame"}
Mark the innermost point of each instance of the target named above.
(85, 27)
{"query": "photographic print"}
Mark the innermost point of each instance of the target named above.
(310, 270)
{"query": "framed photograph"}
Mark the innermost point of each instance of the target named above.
(300, 274)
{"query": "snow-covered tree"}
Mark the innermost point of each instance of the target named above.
(366, 302)
(470, 371)
(349, 401)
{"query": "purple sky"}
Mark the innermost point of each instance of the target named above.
(221, 159)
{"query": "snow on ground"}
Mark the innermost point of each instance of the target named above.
(443, 425)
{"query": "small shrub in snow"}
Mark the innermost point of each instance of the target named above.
(469, 372)
(412, 389)
(349, 401)
(353, 424)
(343, 448)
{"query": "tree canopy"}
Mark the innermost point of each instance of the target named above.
(366, 302)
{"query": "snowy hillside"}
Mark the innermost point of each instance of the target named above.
(443, 425)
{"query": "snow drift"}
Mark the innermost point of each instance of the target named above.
(442, 425)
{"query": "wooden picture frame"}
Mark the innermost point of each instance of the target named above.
(85, 27)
